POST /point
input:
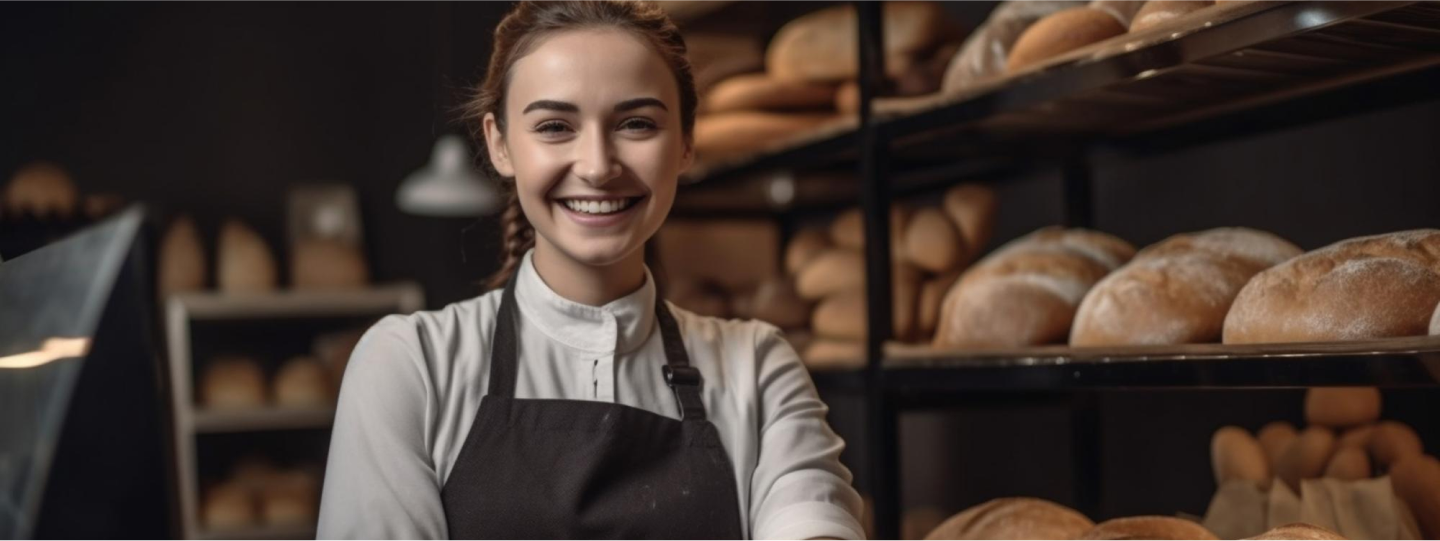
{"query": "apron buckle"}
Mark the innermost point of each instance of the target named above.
(681, 375)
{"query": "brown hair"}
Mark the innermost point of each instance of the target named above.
(517, 34)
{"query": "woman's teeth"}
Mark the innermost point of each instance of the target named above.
(608, 206)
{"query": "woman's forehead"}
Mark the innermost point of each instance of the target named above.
(591, 68)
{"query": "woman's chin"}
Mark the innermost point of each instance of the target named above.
(601, 252)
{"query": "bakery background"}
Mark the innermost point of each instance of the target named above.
(227, 114)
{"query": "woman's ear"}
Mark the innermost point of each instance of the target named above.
(688, 158)
(495, 143)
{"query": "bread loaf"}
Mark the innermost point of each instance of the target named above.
(1235, 455)
(803, 248)
(823, 46)
(182, 259)
(327, 264)
(972, 207)
(245, 263)
(42, 190)
(822, 353)
(776, 302)
(1149, 527)
(848, 230)
(726, 136)
(1368, 287)
(1299, 531)
(1177, 291)
(760, 92)
(303, 383)
(227, 507)
(736, 255)
(833, 271)
(1306, 456)
(291, 498)
(1123, 10)
(1060, 33)
(232, 382)
(1027, 291)
(1392, 442)
(1156, 12)
(932, 294)
(1416, 480)
(932, 241)
(983, 54)
(1348, 464)
(843, 315)
(1274, 438)
(1014, 518)
(1339, 407)
(1358, 437)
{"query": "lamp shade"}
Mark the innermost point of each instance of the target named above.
(448, 186)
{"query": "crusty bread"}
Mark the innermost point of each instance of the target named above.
(932, 242)
(1157, 12)
(831, 272)
(1177, 291)
(245, 263)
(823, 46)
(1060, 33)
(1014, 518)
(1123, 10)
(1306, 456)
(1368, 287)
(327, 264)
(1148, 527)
(984, 52)
(1340, 407)
(1236, 455)
(1299, 530)
(182, 259)
(843, 315)
(726, 136)
(760, 92)
(1026, 292)
(848, 229)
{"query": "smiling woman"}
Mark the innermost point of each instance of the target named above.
(573, 401)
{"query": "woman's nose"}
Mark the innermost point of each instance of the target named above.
(596, 163)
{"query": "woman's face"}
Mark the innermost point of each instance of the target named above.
(594, 142)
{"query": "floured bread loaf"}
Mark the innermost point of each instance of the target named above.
(1177, 291)
(1151, 527)
(1014, 518)
(245, 262)
(984, 52)
(1299, 530)
(1027, 291)
(932, 242)
(1367, 287)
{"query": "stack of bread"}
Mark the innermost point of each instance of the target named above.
(238, 383)
(245, 263)
(810, 69)
(1345, 440)
(45, 191)
(256, 493)
(930, 247)
(1032, 518)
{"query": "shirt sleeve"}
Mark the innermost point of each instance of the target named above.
(380, 482)
(799, 489)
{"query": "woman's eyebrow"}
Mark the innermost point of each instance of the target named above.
(561, 106)
(637, 103)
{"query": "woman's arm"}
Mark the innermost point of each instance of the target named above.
(380, 482)
(800, 490)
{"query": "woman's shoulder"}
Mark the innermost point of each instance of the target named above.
(732, 336)
(428, 338)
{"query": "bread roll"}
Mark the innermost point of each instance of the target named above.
(1358, 437)
(823, 353)
(1027, 291)
(1348, 464)
(182, 259)
(327, 264)
(1157, 12)
(760, 92)
(228, 506)
(245, 262)
(803, 248)
(1177, 291)
(1274, 438)
(843, 315)
(823, 46)
(983, 54)
(1060, 33)
(1014, 518)
(1235, 455)
(43, 190)
(291, 498)
(1368, 287)
(1299, 531)
(972, 207)
(932, 294)
(932, 241)
(1416, 480)
(848, 229)
(734, 254)
(1149, 527)
(847, 98)
(776, 302)
(1306, 456)
(1339, 407)
(1123, 10)
(833, 271)
(727, 136)
(303, 383)
(232, 382)
(1392, 442)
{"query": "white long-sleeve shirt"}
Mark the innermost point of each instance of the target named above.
(414, 382)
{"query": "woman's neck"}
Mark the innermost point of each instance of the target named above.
(588, 284)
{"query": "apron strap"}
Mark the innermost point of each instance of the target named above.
(503, 368)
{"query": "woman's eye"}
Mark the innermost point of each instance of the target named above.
(551, 128)
(637, 124)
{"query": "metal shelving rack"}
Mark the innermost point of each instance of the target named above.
(1182, 81)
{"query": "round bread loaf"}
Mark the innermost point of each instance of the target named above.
(932, 242)
(1060, 33)
(1014, 518)
(1157, 12)
(776, 302)
(823, 46)
(1358, 437)
(1348, 464)
(760, 92)
(245, 262)
(972, 207)
(1236, 455)
(823, 353)
(1123, 10)
(182, 259)
(803, 248)
(1299, 530)
(228, 506)
(1274, 438)
(1149, 527)
(982, 56)
(1340, 407)
(1177, 291)
(1392, 442)
(1026, 292)
(327, 264)
(726, 136)
(233, 382)
(1306, 456)
(42, 190)
(832, 271)
(303, 383)
(1416, 480)
(1368, 287)
(843, 315)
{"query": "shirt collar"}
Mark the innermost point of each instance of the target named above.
(618, 327)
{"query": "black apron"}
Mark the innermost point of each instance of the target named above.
(551, 469)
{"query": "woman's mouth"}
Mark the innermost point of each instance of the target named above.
(599, 212)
